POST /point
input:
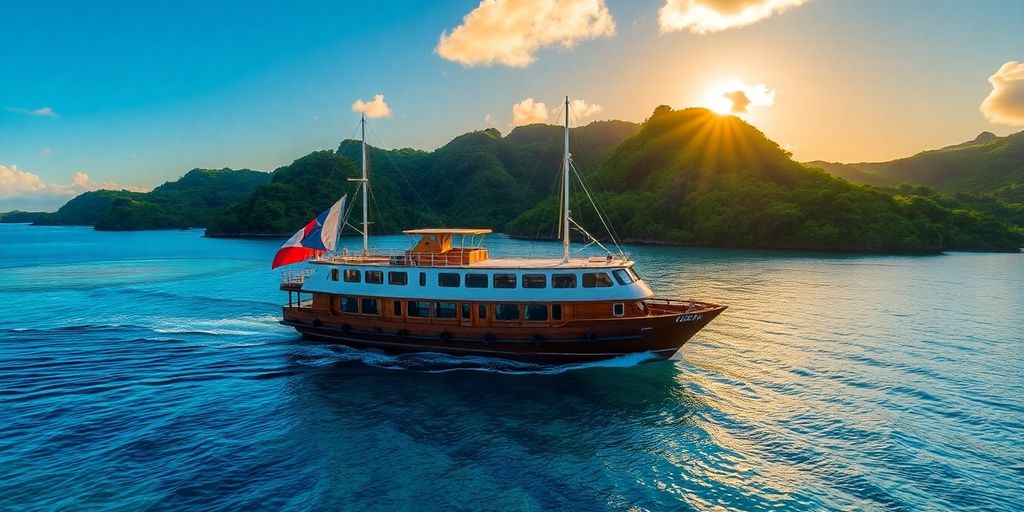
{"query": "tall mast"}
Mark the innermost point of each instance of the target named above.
(366, 186)
(565, 187)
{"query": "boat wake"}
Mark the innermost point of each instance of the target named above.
(433, 362)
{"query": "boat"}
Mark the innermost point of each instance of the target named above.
(447, 295)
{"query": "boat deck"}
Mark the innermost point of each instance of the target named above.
(404, 259)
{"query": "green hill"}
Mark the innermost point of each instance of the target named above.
(693, 177)
(294, 194)
(478, 179)
(188, 202)
(982, 165)
(18, 217)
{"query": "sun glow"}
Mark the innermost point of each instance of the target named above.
(736, 97)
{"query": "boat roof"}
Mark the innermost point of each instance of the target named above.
(451, 231)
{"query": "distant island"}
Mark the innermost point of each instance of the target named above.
(683, 177)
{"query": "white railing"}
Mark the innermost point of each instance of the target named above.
(397, 259)
(295, 277)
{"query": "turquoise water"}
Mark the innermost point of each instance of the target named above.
(146, 370)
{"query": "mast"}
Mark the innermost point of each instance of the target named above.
(565, 187)
(366, 186)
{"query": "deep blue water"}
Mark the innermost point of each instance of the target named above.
(146, 371)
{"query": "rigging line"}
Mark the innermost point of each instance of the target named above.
(593, 239)
(586, 148)
(413, 188)
(596, 209)
(537, 161)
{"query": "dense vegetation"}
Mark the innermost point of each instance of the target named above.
(18, 216)
(478, 179)
(295, 194)
(188, 202)
(983, 165)
(692, 177)
(683, 177)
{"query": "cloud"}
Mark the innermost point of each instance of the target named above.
(38, 112)
(583, 110)
(45, 151)
(1005, 104)
(488, 119)
(529, 112)
(704, 16)
(376, 107)
(509, 32)
(15, 183)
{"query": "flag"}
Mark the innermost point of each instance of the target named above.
(315, 238)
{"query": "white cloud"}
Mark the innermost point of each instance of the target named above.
(14, 183)
(18, 184)
(704, 16)
(583, 110)
(488, 119)
(529, 112)
(376, 107)
(509, 32)
(38, 112)
(737, 97)
(45, 151)
(1005, 104)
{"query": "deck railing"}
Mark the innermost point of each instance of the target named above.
(295, 277)
(398, 259)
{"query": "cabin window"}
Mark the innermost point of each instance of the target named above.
(504, 280)
(448, 280)
(596, 280)
(351, 275)
(476, 280)
(418, 308)
(466, 311)
(563, 281)
(397, 305)
(334, 274)
(622, 277)
(556, 311)
(349, 305)
(535, 313)
(633, 274)
(618, 309)
(374, 277)
(506, 311)
(481, 311)
(534, 281)
(370, 306)
(398, 278)
(444, 310)
(423, 278)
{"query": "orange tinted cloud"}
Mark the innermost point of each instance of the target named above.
(704, 16)
(1005, 104)
(509, 32)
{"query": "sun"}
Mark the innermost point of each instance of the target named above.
(735, 97)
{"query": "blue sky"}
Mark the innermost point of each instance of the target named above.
(143, 91)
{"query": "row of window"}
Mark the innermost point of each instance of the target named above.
(455, 280)
(455, 310)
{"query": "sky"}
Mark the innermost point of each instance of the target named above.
(131, 94)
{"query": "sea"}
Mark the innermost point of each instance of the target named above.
(147, 371)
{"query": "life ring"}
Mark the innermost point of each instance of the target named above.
(402, 333)
(444, 336)
(538, 339)
(488, 338)
(591, 336)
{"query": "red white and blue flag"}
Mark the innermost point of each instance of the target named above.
(315, 238)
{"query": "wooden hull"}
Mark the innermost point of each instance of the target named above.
(661, 334)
